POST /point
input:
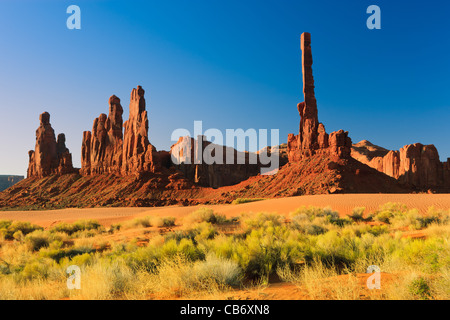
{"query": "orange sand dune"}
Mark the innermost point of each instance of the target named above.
(343, 203)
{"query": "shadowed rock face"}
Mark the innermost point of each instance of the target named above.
(50, 156)
(219, 165)
(312, 137)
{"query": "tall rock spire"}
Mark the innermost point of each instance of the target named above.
(308, 109)
(137, 150)
(312, 137)
(101, 149)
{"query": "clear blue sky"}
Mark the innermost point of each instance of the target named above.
(232, 64)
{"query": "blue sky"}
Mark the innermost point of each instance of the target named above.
(232, 64)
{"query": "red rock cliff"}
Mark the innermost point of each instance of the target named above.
(415, 164)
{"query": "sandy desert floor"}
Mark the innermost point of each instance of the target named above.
(329, 286)
(344, 204)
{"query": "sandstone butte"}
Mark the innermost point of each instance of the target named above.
(119, 165)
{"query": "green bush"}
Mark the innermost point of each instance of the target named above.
(164, 222)
(36, 269)
(303, 224)
(262, 219)
(205, 215)
(388, 211)
(420, 289)
(9, 228)
(223, 271)
(37, 240)
(358, 214)
(82, 225)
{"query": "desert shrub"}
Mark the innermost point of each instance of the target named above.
(435, 216)
(205, 215)
(315, 281)
(360, 230)
(388, 211)
(36, 269)
(4, 224)
(413, 220)
(358, 214)
(18, 235)
(9, 228)
(185, 247)
(163, 222)
(58, 236)
(140, 222)
(420, 289)
(190, 250)
(204, 231)
(314, 229)
(334, 250)
(303, 224)
(114, 228)
(180, 276)
(223, 271)
(340, 222)
(56, 251)
(377, 230)
(246, 200)
(262, 219)
(82, 259)
(313, 212)
(37, 240)
(428, 255)
(105, 279)
(409, 219)
(145, 259)
(443, 215)
(182, 234)
(262, 249)
(384, 216)
(320, 216)
(82, 225)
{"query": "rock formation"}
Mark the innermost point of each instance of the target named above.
(101, 150)
(121, 166)
(312, 137)
(216, 171)
(50, 156)
(64, 156)
(137, 150)
(107, 149)
(415, 164)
